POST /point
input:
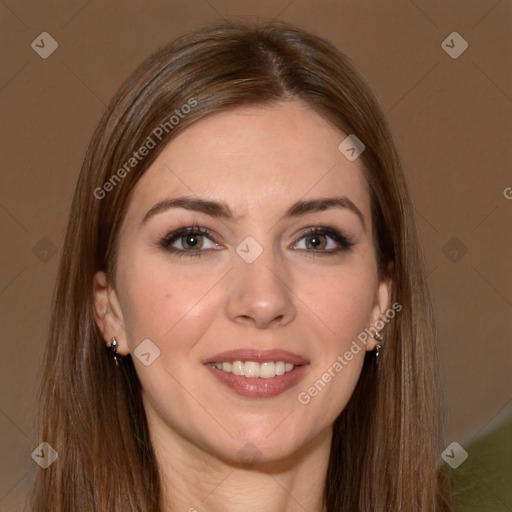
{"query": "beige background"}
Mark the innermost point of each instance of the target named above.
(452, 122)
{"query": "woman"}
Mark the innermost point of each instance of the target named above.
(241, 319)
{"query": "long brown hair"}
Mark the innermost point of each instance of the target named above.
(386, 442)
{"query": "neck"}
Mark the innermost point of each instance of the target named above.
(194, 480)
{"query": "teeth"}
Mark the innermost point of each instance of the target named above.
(237, 368)
(267, 370)
(253, 370)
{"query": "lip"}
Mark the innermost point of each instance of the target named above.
(255, 387)
(258, 356)
(259, 388)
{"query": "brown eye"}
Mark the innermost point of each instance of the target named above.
(191, 239)
(325, 240)
(316, 241)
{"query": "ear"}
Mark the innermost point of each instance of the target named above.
(108, 313)
(381, 305)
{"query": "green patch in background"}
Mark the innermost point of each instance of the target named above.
(483, 482)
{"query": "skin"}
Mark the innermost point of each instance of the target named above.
(193, 308)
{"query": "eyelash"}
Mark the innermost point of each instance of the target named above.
(344, 243)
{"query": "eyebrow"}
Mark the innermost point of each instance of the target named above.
(219, 209)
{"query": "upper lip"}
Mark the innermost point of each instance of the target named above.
(258, 356)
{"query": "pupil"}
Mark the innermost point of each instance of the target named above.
(194, 240)
(315, 242)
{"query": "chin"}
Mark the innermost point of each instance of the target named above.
(256, 448)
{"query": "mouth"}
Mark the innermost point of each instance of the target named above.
(256, 373)
(255, 370)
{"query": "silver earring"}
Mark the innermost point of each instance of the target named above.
(112, 349)
(378, 337)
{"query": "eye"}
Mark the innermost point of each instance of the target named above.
(191, 239)
(317, 239)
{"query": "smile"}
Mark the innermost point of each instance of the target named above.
(254, 370)
(257, 373)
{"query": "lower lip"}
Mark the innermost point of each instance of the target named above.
(256, 387)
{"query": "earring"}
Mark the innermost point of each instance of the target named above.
(112, 349)
(380, 339)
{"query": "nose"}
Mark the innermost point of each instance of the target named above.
(260, 293)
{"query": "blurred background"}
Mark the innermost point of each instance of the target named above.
(442, 73)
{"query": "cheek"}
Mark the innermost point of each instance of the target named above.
(342, 302)
(162, 302)
(168, 301)
(344, 307)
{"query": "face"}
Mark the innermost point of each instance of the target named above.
(261, 276)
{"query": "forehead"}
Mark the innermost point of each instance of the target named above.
(257, 159)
